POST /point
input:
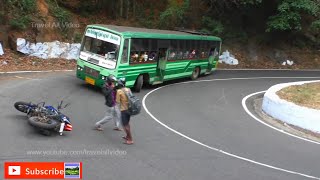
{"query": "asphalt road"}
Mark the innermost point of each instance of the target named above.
(195, 130)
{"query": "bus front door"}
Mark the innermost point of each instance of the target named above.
(162, 63)
(212, 56)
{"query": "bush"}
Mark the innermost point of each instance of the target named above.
(290, 14)
(237, 35)
(212, 26)
(25, 6)
(2, 18)
(60, 14)
(20, 23)
(315, 26)
(148, 20)
(29, 6)
(86, 8)
(77, 37)
(174, 15)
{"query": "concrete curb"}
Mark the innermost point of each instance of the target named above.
(22, 72)
(289, 112)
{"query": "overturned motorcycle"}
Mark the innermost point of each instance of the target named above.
(46, 119)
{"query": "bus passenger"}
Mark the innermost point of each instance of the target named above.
(152, 56)
(202, 55)
(145, 56)
(101, 50)
(192, 54)
(134, 57)
(172, 55)
(186, 55)
(180, 55)
(141, 58)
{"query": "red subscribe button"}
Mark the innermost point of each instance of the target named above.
(42, 170)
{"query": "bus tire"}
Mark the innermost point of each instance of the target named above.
(138, 84)
(195, 73)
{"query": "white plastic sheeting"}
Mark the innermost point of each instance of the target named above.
(1, 50)
(47, 50)
(287, 62)
(289, 112)
(227, 58)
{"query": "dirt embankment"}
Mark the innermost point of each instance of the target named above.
(44, 27)
(265, 57)
(13, 61)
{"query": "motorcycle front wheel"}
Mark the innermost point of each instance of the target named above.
(36, 122)
(21, 106)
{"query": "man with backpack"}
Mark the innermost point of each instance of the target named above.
(129, 105)
(113, 112)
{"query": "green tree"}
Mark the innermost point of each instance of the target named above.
(212, 26)
(290, 14)
(174, 15)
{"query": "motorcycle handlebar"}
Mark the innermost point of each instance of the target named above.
(41, 103)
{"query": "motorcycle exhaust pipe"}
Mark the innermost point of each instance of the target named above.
(61, 128)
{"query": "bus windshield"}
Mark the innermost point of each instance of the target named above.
(100, 48)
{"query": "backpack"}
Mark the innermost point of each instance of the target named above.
(134, 103)
(107, 92)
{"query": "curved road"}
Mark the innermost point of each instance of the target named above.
(190, 130)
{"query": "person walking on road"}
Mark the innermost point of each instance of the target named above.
(122, 100)
(112, 111)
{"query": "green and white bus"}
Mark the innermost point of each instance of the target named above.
(144, 56)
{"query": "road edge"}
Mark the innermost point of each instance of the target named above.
(24, 72)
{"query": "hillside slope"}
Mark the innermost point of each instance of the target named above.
(50, 20)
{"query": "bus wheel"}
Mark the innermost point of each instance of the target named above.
(195, 73)
(138, 84)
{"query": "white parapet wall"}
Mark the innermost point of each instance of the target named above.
(47, 50)
(288, 112)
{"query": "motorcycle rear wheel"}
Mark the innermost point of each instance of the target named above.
(34, 121)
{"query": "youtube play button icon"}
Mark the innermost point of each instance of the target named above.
(14, 170)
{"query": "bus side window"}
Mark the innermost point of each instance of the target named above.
(124, 57)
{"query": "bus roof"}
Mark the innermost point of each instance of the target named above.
(135, 32)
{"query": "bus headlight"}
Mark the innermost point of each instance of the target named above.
(79, 68)
(103, 77)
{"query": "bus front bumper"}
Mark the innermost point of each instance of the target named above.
(89, 79)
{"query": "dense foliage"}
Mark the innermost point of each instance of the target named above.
(220, 17)
(289, 14)
(223, 18)
(20, 11)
